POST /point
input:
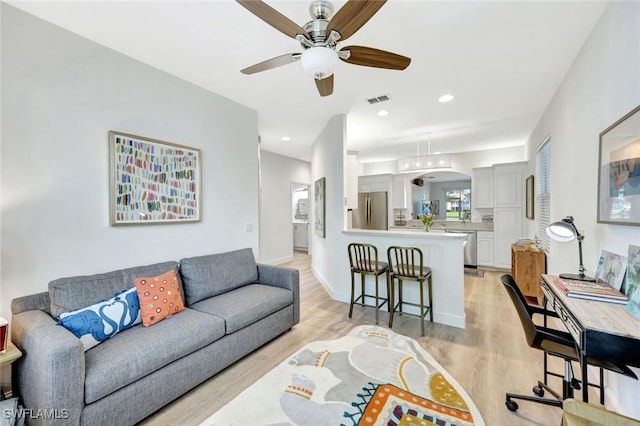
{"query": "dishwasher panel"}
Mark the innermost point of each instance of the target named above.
(470, 249)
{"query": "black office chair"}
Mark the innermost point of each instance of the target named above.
(556, 343)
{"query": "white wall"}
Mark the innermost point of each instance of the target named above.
(276, 226)
(602, 85)
(61, 94)
(328, 159)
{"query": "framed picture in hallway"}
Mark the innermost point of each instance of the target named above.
(530, 194)
(152, 181)
(319, 197)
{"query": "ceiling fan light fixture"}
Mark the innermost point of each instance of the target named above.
(319, 62)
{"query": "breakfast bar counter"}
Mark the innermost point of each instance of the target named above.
(443, 253)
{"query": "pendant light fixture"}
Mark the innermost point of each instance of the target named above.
(439, 161)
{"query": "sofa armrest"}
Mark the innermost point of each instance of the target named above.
(32, 302)
(288, 278)
(50, 374)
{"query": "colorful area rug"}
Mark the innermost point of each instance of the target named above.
(372, 376)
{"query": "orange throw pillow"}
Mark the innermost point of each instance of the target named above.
(159, 297)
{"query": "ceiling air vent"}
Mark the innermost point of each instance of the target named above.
(378, 99)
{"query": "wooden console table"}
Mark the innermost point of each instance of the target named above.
(527, 266)
(11, 354)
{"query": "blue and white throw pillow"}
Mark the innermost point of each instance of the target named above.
(96, 323)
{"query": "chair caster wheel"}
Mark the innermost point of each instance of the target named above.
(511, 405)
(538, 390)
(575, 384)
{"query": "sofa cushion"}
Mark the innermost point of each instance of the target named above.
(246, 305)
(159, 297)
(96, 323)
(73, 293)
(139, 351)
(207, 276)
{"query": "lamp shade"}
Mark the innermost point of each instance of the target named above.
(564, 232)
(319, 62)
(561, 231)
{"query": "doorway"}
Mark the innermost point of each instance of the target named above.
(300, 206)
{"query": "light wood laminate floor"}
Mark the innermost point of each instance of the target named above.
(488, 358)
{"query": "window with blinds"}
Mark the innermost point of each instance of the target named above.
(542, 193)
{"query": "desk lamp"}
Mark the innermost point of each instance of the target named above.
(564, 232)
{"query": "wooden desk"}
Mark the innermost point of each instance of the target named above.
(600, 329)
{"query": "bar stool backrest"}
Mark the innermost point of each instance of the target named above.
(363, 257)
(405, 261)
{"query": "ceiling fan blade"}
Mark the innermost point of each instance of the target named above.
(370, 57)
(274, 18)
(352, 16)
(325, 86)
(278, 61)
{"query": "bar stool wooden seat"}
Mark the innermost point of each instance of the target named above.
(363, 259)
(407, 264)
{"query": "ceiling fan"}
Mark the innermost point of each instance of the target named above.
(320, 36)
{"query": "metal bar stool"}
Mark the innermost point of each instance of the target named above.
(406, 263)
(363, 259)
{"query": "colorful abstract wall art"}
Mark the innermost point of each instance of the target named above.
(152, 181)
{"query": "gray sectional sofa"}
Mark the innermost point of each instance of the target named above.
(233, 306)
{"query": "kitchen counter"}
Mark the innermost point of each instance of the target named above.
(445, 225)
(406, 233)
(443, 253)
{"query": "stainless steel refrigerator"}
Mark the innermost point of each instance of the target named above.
(371, 212)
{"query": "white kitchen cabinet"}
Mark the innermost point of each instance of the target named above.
(485, 248)
(352, 182)
(301, 235)
(374, 183)
(482, 188)
(507, 228)
(508, 194)
(401, 196)
(508, 185)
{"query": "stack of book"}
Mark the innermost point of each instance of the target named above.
(599, 291)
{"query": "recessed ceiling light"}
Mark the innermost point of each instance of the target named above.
(286, 138)
(445, 98)
(383, 113)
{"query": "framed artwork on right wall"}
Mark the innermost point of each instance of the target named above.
(619, 171)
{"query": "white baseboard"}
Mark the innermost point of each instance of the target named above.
(277, 261)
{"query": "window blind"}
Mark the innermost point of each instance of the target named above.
(542, 193)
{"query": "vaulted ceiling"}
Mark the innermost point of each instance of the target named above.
(501, 60)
